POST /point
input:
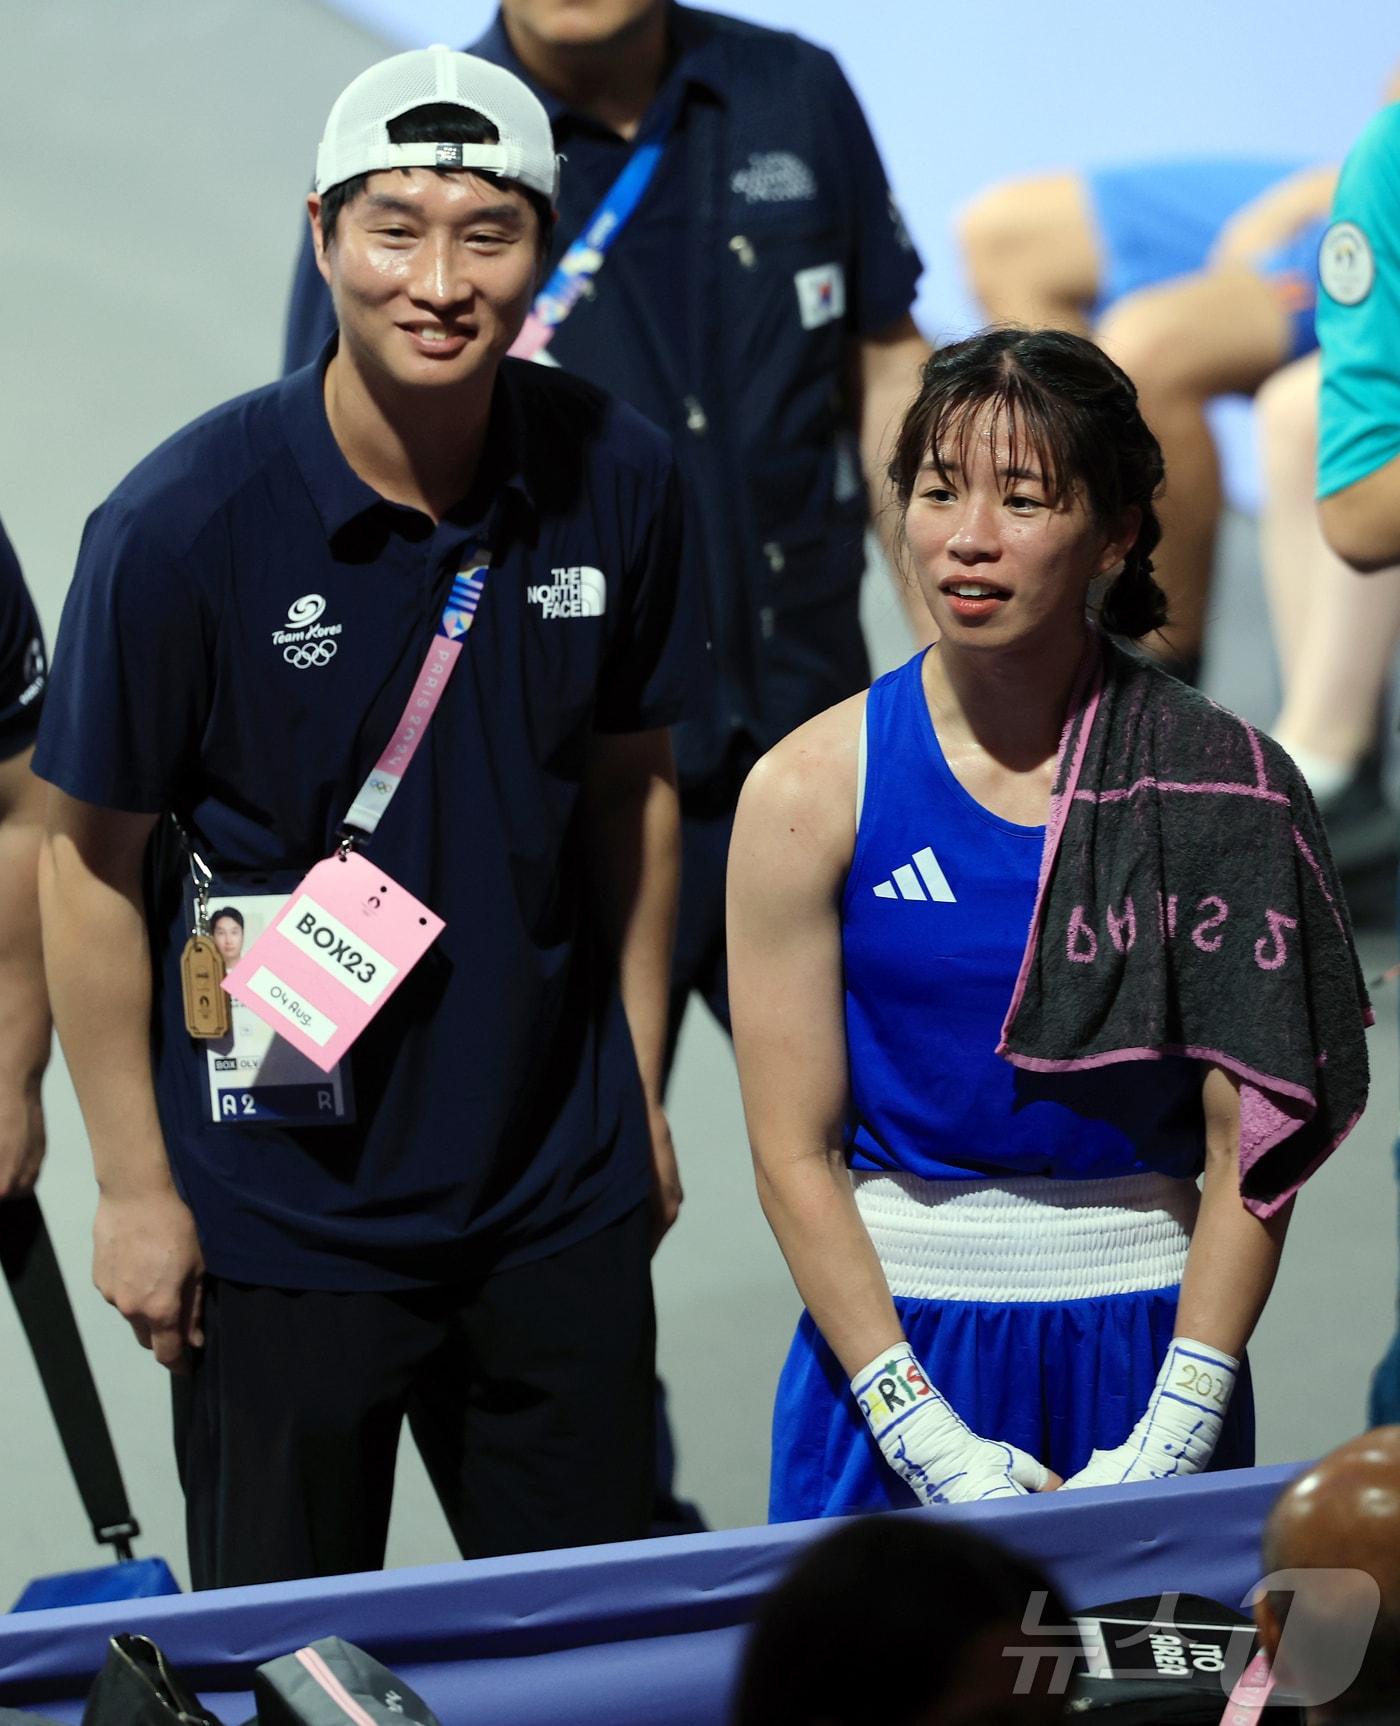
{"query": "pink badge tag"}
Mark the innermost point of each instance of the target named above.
(346, 939)
(1252, 1690)
(534, 335)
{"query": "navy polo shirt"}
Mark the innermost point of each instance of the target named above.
(500, 1114)
(766, 243)
(23, 668)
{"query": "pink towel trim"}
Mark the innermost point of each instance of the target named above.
(1088, 686)
(1261, 777)
(1210, 787)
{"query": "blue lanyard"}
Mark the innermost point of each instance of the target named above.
(585, 257)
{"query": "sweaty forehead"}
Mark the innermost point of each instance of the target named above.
(969, 432)
(994, 433)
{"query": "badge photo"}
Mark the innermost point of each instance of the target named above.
(1346, 265)
(253, 1073)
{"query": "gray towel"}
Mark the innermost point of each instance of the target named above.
(1188, 905)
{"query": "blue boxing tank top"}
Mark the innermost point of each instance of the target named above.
(935, 916)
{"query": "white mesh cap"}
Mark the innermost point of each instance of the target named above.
(357, 131)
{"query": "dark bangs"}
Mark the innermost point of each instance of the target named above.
(1062, 404)
(1037, 431)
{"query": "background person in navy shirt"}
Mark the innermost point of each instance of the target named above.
(757, 307)
(467, 1242)
(24, 1003)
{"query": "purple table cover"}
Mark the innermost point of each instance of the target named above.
(632, 1634)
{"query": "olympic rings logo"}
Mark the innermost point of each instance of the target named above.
(310, 653)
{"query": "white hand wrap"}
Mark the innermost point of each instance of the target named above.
(926, 1443)
(1181, 1428)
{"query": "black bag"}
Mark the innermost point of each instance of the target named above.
(138, 1687)
(41, 1300)
(1166, 1660)
(331, 1683)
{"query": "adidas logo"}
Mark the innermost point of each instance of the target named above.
(929, 883)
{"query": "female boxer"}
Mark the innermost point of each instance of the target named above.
(1010, 1276)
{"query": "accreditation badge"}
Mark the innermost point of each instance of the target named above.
(253, 1074)
(331, 956)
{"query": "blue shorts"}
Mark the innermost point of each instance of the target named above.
(1292, 272)
(1057, 1378)
(1157, 220)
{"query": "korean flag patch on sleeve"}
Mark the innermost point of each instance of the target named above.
(821, 295)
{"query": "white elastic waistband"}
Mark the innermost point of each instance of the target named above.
(1027, 1238)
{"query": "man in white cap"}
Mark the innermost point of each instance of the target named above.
(454, 1223)
(734, 265)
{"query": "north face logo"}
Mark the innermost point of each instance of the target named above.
(774, 177)
(577, 592)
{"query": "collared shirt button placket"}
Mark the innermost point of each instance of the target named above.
(767, 616)
(695, 417)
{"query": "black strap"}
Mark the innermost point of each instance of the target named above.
(36, 1282)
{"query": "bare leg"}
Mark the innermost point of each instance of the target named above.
(1336, 630)
(1032, 252)
(1285, 418)
(1218, 333)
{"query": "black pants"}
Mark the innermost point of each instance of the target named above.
(529, 1394)
(700, 965)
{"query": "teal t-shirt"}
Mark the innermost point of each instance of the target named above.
(1358, 312)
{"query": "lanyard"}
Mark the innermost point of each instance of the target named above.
(458, 615)
(579, 266)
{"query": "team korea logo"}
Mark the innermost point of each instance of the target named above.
(306, 641)
(576, 592)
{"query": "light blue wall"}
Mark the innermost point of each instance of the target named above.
(959, 95)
